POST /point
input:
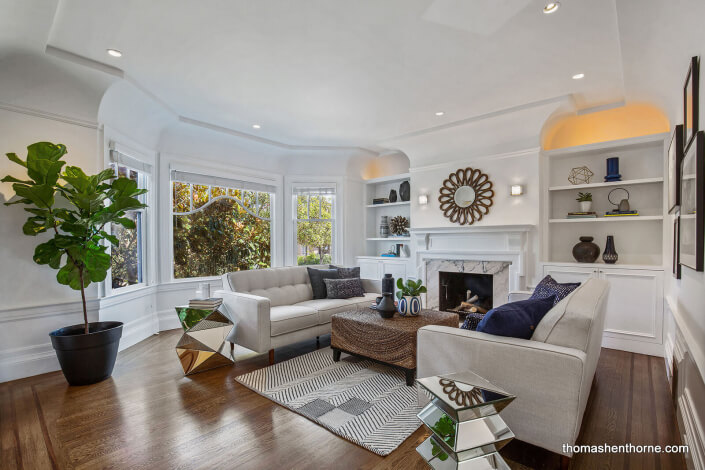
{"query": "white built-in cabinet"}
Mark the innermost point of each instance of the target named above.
(635, 301)
(375, 268)
(634, 318)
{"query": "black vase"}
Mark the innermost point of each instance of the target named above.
(87, 358)
(610, 255)
(405, 191)
(586, 251)
(392, 196)
(386, 307)
(387, 283)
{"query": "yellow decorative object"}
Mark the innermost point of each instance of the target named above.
(580, 175)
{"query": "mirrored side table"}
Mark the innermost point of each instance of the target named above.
(463, 417)
(203, 346)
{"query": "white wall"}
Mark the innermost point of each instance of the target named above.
(503, 170)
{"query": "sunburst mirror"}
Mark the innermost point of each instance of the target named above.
(466, 196)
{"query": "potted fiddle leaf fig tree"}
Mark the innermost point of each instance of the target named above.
(75, 209)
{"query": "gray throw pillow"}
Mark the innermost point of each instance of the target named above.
(344, 288)
(316, 276)
(349, 273)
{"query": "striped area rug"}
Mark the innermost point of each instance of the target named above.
(359, 400)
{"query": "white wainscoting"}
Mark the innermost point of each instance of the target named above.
(689, 387)
(25, 347)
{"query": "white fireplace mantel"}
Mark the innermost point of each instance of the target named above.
(479, 243)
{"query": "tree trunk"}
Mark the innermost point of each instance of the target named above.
(83, 298)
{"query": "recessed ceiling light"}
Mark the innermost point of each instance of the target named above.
(114, 53)
(551, 7)
(578, 76)
(439, 113)
(256, 126)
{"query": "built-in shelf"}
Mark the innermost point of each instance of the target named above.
(389, 239)
(631, 218)
(605, 185)
(389, 204)
(385, 258)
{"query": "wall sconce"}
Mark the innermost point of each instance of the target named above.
(423, 199)
(517, 190)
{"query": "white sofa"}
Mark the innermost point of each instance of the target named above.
(551, 374)
(275, 307)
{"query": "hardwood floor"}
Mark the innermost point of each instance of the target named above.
(149, 416)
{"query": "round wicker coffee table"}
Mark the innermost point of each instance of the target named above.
(391, 341)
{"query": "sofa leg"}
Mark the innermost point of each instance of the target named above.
(565, 462)
(318, 342)
(271, 357)
(232, 347)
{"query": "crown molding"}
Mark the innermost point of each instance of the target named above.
(47, 115)
(481, 117)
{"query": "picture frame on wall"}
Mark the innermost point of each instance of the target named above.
(676, 247)
(692, 208)
(690, 102)
(675, 156)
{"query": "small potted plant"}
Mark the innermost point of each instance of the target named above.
(408, 294)
(75, 209)
(585, 200)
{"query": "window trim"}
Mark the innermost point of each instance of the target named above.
(298, 182)
(209, 172)
(146, 222)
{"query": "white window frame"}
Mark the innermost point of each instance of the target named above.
(296, 183)
(244, 176)
(132, 159)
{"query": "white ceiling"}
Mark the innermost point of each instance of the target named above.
(334, 72)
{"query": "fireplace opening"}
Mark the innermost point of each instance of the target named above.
(464, 293)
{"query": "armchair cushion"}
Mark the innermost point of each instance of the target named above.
(516, 319)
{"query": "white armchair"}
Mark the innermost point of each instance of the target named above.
(550, 374)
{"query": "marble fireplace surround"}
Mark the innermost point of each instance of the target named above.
(501, 250)
(498, 269)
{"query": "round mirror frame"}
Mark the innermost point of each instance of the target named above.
(472, 179)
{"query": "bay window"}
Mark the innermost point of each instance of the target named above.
(127, 260)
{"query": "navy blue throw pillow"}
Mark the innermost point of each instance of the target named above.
(550, 287)
(516, 319)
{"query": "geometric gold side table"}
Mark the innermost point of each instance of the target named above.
(467, 431)
(202, 346)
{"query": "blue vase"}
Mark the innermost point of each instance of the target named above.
(409, 306)
(613, 169)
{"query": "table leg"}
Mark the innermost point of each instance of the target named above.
(409, 373)
(336, 355)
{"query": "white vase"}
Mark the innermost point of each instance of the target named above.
(585, 206)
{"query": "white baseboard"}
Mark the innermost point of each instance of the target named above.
(26, 361)
(168, 320)
(639, 347)
(137, 330)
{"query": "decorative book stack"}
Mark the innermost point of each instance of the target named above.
(205, 304)
(380, 200)
(581, 215)
(617, 213)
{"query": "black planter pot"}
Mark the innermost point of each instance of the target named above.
(87, 358)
